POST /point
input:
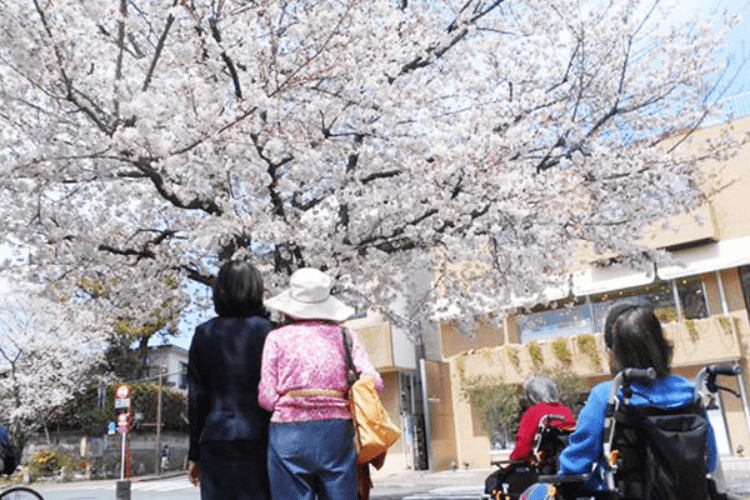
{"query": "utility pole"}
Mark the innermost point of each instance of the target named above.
(161, 370)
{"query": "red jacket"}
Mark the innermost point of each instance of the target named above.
(529, 423)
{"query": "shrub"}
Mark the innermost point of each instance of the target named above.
(587, 345)
(498, 408)
(535, 351)
(560, 348)
(50, 462)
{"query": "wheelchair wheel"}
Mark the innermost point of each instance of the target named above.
(540, 491)
(20, 493)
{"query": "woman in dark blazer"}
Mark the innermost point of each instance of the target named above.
(228, 430)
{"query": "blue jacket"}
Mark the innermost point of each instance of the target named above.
(223, 376)
(584, 447)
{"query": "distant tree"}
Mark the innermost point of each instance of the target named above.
(502, 406)
(133, 327)
(121, 360)
(90, 414)
(498, 407)
(572, 389)
(48, 353)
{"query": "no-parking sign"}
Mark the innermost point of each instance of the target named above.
(122, 403)
(123, 422)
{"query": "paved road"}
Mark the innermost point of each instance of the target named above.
(408, 485)
(174, 488)
(423, 485)
(417, 486)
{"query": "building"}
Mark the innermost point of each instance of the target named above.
(702, 298)
(172, 361)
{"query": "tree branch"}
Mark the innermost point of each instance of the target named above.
(143, 164)
(157, 52)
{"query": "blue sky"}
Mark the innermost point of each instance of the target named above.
(738, 41)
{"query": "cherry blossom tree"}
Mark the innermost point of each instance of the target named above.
(47, 355)
(143, 142)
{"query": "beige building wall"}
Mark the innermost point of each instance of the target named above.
(472, 443)
(376, 339)
(726, 213)
(443, 443)
(394, 459)
(484, 333)
(711, 340)
(728, 183)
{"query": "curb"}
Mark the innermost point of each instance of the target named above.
(154, 477)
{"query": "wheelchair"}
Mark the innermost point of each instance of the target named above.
(513, 476)
(636, 436)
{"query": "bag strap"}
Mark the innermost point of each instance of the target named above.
(351, 371)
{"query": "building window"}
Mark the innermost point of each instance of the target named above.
(659, 294)
(692, 293)
(183, 375)
(684, 298)
(571, 318)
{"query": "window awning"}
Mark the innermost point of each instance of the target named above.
(723, 254)
(593, 280)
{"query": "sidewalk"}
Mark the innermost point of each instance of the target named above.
(737, 474)
(418, 485)
(458, 476)
(469, 484)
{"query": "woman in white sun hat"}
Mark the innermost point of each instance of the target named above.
(303, 382)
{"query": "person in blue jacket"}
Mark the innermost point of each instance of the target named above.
(635, 339)
(228, 429)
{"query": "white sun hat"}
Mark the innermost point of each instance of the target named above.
(309, 297)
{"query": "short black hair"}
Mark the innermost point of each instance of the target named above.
(238, 290)
(635, 336)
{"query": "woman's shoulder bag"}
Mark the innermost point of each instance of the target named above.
(375, 432)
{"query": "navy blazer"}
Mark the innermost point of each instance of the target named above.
(223, 376)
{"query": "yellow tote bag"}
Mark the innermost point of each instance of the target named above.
(375, 431)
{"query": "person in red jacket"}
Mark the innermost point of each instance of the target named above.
(522, 470)
(544, 397)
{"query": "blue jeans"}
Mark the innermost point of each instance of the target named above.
(313, 459)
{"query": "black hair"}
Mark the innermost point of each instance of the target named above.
(635, 336)
(613, 313)
(238, 290)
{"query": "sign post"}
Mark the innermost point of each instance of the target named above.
(123, 412)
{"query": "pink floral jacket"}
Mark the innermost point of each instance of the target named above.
(309, 355)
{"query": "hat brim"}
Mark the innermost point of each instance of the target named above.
(330, 309)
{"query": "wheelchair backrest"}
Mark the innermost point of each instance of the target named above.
(550, 441)
(659, 453)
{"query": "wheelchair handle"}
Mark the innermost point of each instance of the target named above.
(499, 463)
(625, 377)
(554, 417)
(639, 373)
(725, 369)
(706, 378)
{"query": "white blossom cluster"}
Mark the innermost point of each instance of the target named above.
(47, 354)
(144, 141)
